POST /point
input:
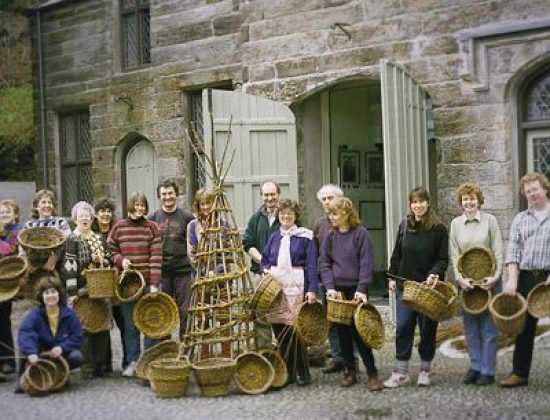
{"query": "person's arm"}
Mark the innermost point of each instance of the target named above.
(113, 246)
(515, 246)
(73, 338)
(250, 239)
(442, 260)
(70, 268)
(27, 336)
(265, 262)
(326, 262)
(64, 226)
(192, 242)
(155, 256)
(366, 261)
(312, 258)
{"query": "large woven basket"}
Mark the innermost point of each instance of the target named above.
(509, 313)
(369, 325)
(424, 299)
(169, 377)
(448, 290)
(254, 373)
(59, 371)
(213, 375)
(40, 242)
(129, 286)
(538, 301)
(475, 301)
(340, 311)
(311, 323)
(29, 283)
(477, 263)
(156, 315)
(37, 379)
(12, 271)
(100, 282)
(279, 367)
(268, 292)
(93, 313)
(167, 349)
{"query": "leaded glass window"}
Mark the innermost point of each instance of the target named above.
(538, 99)
(136, 37)
(541, 155)
(76, 159)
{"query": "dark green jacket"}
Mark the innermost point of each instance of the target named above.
(257, 233)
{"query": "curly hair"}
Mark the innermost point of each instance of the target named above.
(82, 205)
(288, 203)
(470, 188)
(37, 197)
(202, 196)
(167, 183)
(535, 176)
(48, 281)
(345, 205)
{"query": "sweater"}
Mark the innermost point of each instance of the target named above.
(52, 221)
(347, 259)
(139, 241)
(77, 257)
(420, 254)
(257, 234)
(11, 230)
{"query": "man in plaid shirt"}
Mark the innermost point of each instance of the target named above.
(528, 263)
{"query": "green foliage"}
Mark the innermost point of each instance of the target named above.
(16, 163)
(16, 116)
(17, 5)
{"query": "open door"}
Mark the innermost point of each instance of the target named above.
(264, 139)
(405, 139)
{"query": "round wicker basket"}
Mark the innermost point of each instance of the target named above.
(167, 349)
(169, 377)
(475, 301)
(538, 301)
(100, 282)
(12, 271)
(477, 263)
(340, 311)
(58, 369)
(509, 313)
(40, 242)
(424, 299)
(369, 325)
(156, 314)
(254, 373)
(93, 313)
(311, 323)
(268, 292)
(213, 375)
(279, 367)
(448, 290)
(129, 286)
(48, 374)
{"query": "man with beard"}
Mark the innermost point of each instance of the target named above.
(176, 268)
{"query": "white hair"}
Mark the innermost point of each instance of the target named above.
(82, 205)
(329, 189)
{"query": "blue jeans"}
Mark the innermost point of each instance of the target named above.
(333, 339)
(404, 335)
(131, 333)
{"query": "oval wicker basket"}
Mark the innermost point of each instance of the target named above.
(37, 379)
(509, 313)
(156, 315)
(93, 313)
(254, 373)
(424, 299)
(129, 286)
(169, 377)
(538, 301)
(369, 325)
(167, 349)
(340, 311)
(28, 286)
(475, 301)
(477, 263)
(267, 294)
(12, 271)
(311, 323)
(59, 371)
(213, 375)
(40, 242)
(448, 290)
(279, 367)
(100, 282)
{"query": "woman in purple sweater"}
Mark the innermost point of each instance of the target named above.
(290, 255)
(346, 266)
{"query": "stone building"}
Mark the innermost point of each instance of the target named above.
(377, 95)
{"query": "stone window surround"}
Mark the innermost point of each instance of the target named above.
(139, 8)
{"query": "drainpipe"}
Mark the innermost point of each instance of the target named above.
(42, 108)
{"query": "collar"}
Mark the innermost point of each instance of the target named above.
(477, 218)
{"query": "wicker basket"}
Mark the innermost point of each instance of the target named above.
(448, 290)
(167, 349)
(424, 299)
(279, 367)
(311, 323)
(475, 301)
(12, 271)
(169, 377)
(268, 292)
(156, 315)
(37, 379)
(538, 301)
(28, 286)
(58, 369)
(509, 313)
(40, 242)
(340, 311)
(93, 313)
(369, 325)
(213, 376)
(100, 282)
(477, 263)
(129, 286)
(254, 373)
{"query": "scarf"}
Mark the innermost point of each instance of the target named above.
(283, 259)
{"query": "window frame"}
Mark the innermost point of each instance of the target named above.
(140, 6)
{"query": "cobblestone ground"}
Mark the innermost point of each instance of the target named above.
(121, 398)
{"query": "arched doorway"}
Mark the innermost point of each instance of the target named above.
(140, 171)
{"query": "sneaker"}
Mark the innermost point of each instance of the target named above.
(396, 380)
(423, 379)
(130, 370)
